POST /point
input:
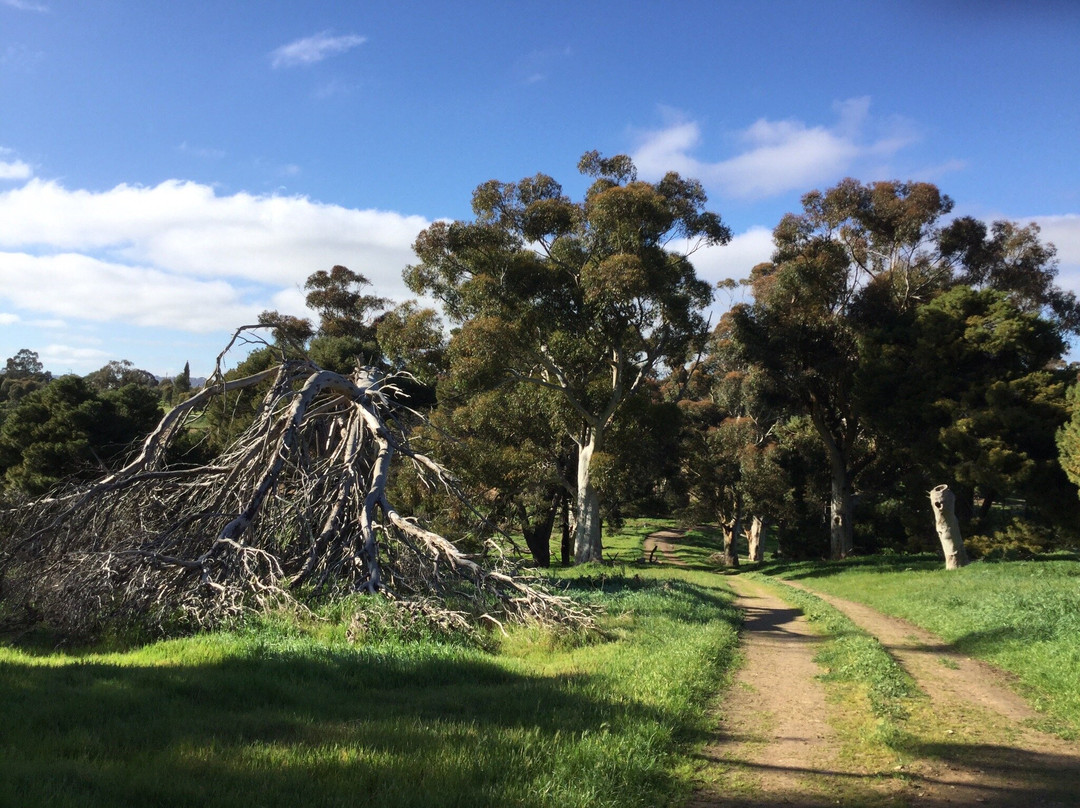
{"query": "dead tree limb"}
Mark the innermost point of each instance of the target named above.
(296, 507)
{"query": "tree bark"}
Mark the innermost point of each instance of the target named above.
(755, 538)
(841, 527)
(538, 536)
(587, 530)
(731, 530)
(948, 527)
(567, 544)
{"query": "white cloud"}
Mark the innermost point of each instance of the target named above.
(1064, 233)
(312, 49)
(736, 258)
(177, 255)
(7, 318)
(61, 358)
(777, 156)
(15, 170)
(25, 5)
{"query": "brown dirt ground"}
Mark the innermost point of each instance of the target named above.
(972, 743)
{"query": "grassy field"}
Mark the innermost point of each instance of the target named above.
(287, 714)
(283, 713)
(1023, 616)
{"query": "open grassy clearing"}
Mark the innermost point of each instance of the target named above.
(281, 714)
(1023, 616)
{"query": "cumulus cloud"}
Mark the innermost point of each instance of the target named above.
(25, 5)
(736, 258)
(312, 49)
(69, 357)
(177, 255)
(1064, 232)
(14, 169)
(777, 156)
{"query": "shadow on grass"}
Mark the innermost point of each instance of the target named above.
(326, 726)
(686, 602)
(803, 570)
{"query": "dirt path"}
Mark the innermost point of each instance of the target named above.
(775, 744)
(661, 541)
(985, 752)
(973, 745)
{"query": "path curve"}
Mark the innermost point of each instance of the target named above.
(662, 540)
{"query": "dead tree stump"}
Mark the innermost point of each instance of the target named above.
(948, 527)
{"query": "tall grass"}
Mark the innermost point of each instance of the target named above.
(289, 714)
(1023, 616)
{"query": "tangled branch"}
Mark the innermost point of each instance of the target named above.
(296, 505)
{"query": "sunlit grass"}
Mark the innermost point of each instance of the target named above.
(1023, 616)
(289, 714)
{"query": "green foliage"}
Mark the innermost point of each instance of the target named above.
(24, 364)
(117, 374)
(921, 354)
(583, 299)
(343, 309)
(411, 339)
(67, 430)
(1068, 437)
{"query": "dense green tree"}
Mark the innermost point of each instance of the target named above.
(117, 374)
(512, 460)
(1068, 436)
(411, 340)
(835, 319)
(66, 430)
(25, 363)
(980, 401)
(585, 299)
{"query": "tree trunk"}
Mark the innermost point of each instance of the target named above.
(538, 536)
(567, 545)
(732, 529)
(755, 538)
(841, 524)
(587, 529)
(948, 527)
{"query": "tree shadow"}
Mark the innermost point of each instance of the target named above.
(952, 774)
(334, 726)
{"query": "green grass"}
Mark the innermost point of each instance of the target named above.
(696, 548)
(852, 656)
(1023, 616)
(282, 714)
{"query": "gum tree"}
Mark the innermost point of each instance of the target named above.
(586, 299)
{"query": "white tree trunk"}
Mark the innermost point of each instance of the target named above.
(948, 527)
(841, 525)
(755, 538)
(587, 528)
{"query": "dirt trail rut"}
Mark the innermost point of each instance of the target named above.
(775, 735)
(992, 755)
(775, 745)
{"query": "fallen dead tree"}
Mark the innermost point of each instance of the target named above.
(295, 507)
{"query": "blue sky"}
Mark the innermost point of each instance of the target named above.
(169, 169)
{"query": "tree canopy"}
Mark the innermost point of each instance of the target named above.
(587, 299)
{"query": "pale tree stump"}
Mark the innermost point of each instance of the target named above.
(948, 527)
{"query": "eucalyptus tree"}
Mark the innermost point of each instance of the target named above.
(838, 315)
(586, 299)
(857, 254)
